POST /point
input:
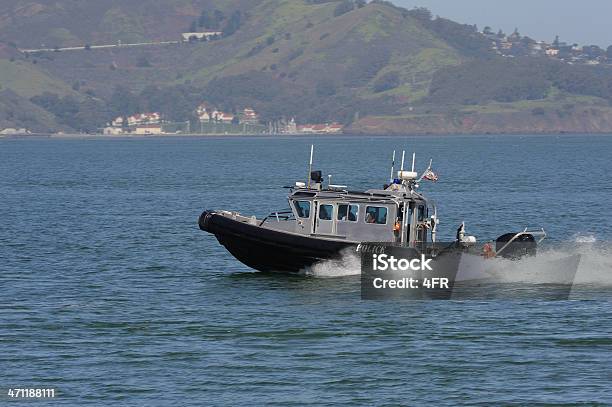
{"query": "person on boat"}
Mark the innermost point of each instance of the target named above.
(488, 252)
(370, 218)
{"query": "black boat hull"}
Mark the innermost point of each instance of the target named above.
(269, 250)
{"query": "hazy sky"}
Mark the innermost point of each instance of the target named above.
(585, 22)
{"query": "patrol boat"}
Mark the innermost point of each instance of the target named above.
(323, 221)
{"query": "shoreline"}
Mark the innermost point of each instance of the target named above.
(318, 135)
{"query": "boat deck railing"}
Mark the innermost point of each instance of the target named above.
(284, 215)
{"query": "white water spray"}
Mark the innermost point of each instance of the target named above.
(592, 260)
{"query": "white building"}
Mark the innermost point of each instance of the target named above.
(201, 35)
(223, 117)
(250, 116)
(291, 127)
(11, 131)
(552, 52)
(144, 118)
(202, 113)
(148, 129)
(112, 131)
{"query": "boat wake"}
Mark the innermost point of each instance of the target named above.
(348, 265)
(596, 261)
(584, 261)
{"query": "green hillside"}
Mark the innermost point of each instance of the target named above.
(28, 80)
(315, 60)
(288, 58)
(32, 24)
(18, 112)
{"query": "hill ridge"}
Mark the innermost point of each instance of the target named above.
(317, 61)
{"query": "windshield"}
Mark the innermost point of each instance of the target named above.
(302, 209)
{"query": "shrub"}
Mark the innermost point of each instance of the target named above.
(326, 88)
(388, 81)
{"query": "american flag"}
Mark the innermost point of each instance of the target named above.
(430, 176)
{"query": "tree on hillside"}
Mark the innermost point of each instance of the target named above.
(421, 13)
(233, 24)
(218, 18)
(463, 37)
(388, 81)
(82, 115)
(609, 52)
(123, 102)
(326, 88)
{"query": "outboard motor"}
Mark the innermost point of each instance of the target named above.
(524, 245)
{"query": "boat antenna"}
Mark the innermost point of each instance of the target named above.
(403, 159)
(413, 160)
(310, 165)
(392, 168)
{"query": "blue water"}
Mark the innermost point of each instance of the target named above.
(111, 295)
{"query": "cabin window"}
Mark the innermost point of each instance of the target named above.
(326, 212)
(348, 213)
(303, 209)
(376, 215)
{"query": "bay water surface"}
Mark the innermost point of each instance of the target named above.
(110, 294)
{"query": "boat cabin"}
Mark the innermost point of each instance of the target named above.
(374, 215)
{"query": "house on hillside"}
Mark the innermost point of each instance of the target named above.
(552, 52)
(207, 114)
(201, 36)
(118, 122)
(202, 112)
(140, 123)
(144, 118)
(137, 119)
(249, 116)
(223, 117)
